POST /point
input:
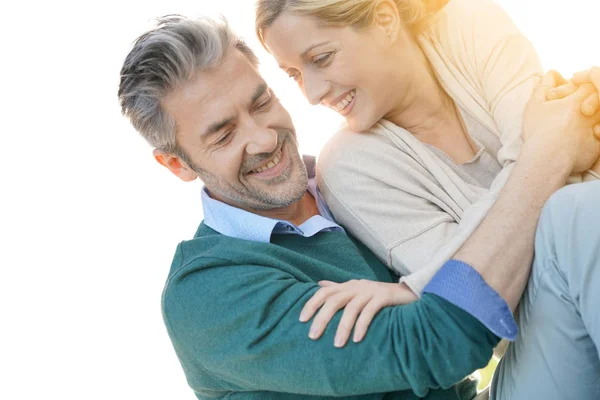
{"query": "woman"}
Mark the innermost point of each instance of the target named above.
(437, 90)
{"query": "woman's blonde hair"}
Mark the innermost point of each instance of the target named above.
(357, 13)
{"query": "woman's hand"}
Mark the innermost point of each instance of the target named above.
(558, 128)
(591, 104)
(362, 300)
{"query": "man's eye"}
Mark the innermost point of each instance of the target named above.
(224, 138)
(323, 60)
(265, 104)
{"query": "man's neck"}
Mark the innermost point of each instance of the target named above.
(296, 213)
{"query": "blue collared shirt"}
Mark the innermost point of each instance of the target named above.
(242, 224)
(456, 282)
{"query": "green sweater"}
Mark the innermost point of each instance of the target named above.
(231, 308)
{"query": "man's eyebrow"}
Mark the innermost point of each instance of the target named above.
(260, 90)
(305, 52)
(216, 127)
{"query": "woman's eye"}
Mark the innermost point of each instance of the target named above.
(323, 60)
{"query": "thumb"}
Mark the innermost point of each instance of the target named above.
(547, 82)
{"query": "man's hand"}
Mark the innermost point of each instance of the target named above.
(362, 300)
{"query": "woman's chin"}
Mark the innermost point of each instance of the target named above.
(359, 125)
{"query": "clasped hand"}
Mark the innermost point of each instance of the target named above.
(561, 120)
(589, 106)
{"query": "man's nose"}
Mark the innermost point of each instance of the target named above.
(261, 140)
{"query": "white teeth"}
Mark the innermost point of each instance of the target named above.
(345, 101)
(268, 165)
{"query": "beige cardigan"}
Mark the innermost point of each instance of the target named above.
(407, 205)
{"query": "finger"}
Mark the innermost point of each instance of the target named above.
(597, 131)
(581, 94)
(586, 76)
(561, 91)
(351, 312)
(314, 303)
(326, 313)
(595, 77)
(592, 75)
(559, 80)
(579, 78)
(327, 283)
(547, 82)
(365, 319)
(590, 105)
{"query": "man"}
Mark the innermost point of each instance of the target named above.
(235, 292)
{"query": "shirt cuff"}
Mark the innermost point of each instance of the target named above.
(460, 284)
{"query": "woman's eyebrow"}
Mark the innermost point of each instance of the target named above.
(305, 52)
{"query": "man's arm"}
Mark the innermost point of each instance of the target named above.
(240, 325)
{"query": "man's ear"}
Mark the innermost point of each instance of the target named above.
(175, 165)
(387, 18)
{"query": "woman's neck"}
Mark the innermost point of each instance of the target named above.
(423, 108)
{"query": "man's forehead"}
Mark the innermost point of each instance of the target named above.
(218, 92)
(233, 79)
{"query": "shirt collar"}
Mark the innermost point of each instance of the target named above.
(242, 224)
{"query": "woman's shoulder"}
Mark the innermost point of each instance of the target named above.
(374, 152)
(463, 17)
(356, 146)
(457, 9)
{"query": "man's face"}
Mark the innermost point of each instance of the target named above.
(238, 136)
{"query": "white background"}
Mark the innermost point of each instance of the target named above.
(89, 221)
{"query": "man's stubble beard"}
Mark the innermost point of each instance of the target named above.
(254, 197)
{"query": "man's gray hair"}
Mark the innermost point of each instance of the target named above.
(161, 60)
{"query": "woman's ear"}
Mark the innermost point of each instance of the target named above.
(387, 18)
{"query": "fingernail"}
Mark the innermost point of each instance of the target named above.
(313, 333)
(338, 342)
(356, 338)
(588, 110)
(551, 95)
(303, 317)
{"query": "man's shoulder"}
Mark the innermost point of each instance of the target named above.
(209, 248)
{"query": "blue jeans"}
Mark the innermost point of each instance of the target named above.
(555, 356)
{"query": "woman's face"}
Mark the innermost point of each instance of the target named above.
(354, 72)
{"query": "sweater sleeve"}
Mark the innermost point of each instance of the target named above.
(241, 324)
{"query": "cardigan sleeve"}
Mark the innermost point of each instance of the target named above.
(240, 323)
(508, 70)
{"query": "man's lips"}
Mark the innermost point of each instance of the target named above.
(272, 167)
